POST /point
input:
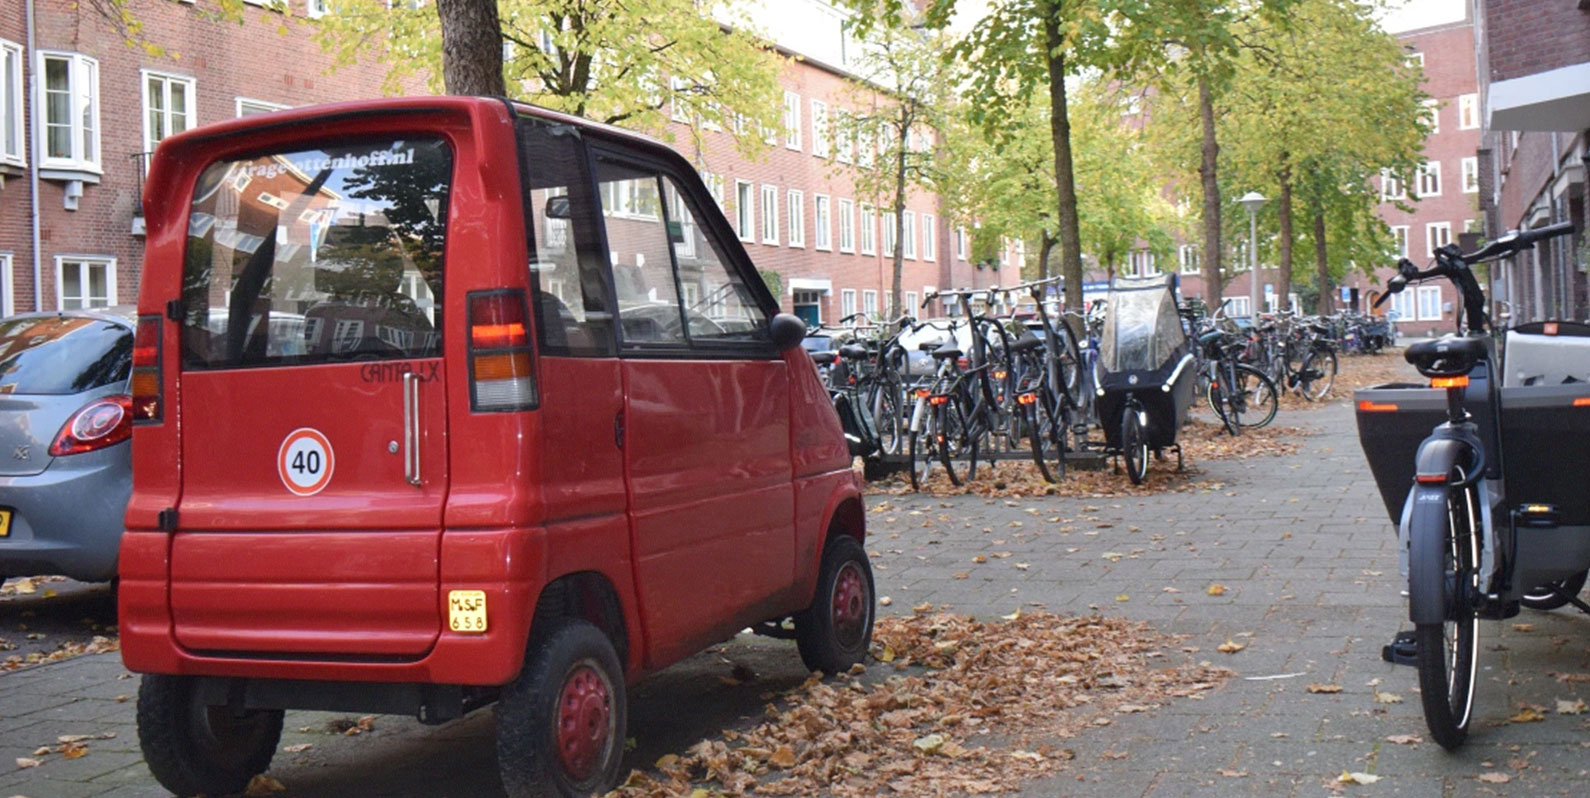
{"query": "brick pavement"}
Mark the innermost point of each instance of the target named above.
(1300, 543)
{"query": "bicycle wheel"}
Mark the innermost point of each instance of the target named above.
(1134, 445)
(956, 447)
(1446, 652)
(1318, 373)
(1050, 430)
(1556, 594)
(920, 444)
(1220, 397)
(886, 418)
(1257, 397)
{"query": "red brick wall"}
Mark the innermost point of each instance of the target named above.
(1530, 36)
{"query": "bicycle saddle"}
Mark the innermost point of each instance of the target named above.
(1446, 357)
(928, 346)
(853, 351)
(823, 358)
(1026, 343)
(948, 349)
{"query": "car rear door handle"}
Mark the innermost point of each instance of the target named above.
(411, 428)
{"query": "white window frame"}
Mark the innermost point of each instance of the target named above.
(908, 234)
(83, 262)
(1430, 235)
(819, 129)
(847, 302)
(769, 214)
(960, 243)
(85, 101)
(847, 226)
(844, 137)
(7, 299)
(1416, 58)
(867, 229)
(260, 106)
(869, 303)
(1239, 306)
(1468, 111)
(167, 80)
(886, 230)
(930, 244)
(1433, 108)
(1429, 176)
(745, 209)
(792, 120)
(1399, 238)
(1431, 295)
(1404, 307)
(822, 223)
(315, 9)
(1471, 175)
(677, 111)
(1391, 187)
(797, 218)
(11, 101)
(1187, 259)
(866, 149)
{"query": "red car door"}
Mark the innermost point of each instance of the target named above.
(313, 426)
(706, 420)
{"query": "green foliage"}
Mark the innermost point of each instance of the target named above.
(773, 280)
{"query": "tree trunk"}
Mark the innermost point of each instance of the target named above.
(471, 47)
(1064, 178)
(899, 225)
(1322, 275)
(1208, 171)
(1283, 282)
(1045, 246)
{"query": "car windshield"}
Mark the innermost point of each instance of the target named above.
(62, 354)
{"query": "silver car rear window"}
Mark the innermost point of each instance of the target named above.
(62, 354)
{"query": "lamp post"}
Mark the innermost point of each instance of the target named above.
(1253, 201)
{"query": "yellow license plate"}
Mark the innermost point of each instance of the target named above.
(466, 611)
(5, 523)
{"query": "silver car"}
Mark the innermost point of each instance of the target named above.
(65, 450)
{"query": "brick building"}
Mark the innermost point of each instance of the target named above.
(1534, 59)
(81, 135)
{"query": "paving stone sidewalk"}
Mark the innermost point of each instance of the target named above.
(1300, 543)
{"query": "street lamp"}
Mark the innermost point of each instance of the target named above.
(1253, 201)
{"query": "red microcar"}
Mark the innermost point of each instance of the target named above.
(440, 402)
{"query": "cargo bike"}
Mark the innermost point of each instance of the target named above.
(1146, 372)
(1483, 473)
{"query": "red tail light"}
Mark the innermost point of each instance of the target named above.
(147, 393)
(98, 424)
(501, 375)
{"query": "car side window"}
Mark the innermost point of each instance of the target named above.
(718, 306)
(572, 309)
(638, 250)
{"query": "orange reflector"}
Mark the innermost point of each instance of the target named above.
(1551, 328)
(922, 393)
(999, 375)
(1450, 382)
(1367, 406)
(502, 367)
(145, 383)
(938, 400)
(1583, 401)
(1431, 479)
(1027, 398)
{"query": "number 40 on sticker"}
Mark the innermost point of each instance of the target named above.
(305, 461)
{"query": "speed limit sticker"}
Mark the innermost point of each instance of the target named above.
(305, 461)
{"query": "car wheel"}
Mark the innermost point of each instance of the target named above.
(560, 724)
(193, 748)
(836, 630)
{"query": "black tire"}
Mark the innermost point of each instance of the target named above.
(1446, 652)
(195, 749)
(1556, 594)
(1049, 433)
(1134, 446)
(886, 420)
(560, 724)
(1318, 373)
(836, 630)
(920, 447)
(1258, 397)
(956, 448)
(1222, 397)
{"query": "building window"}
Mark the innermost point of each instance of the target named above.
(1471, 175)
(844, 141)
(1471, 225)
(1417, 59)
(70, 122)
(316, 9)
(908, 234)
(678, 110)
(1432, 111)
(930, 244)
(847, 302)
(1187, 258)
(168, 106)
(1391, 187)
(714, 185)
(1238, 306)
(11, 136)
(1430, 179)
(1399, 238)
(769, 214)
(869, 304)
(248, 107)
(792, 120)
(865, 149)
(1142, 262)
(797, 218)
(1403, 306)
(745, 209)
(823, 237)
(84, 282)
(869, 230)
(1429, 303)
(7, 306)
(888, 222)
(847, 225)
(1436, 234)
(960, 243)
(1468, 112)
(819, 129)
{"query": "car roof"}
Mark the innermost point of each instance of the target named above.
(125, 315)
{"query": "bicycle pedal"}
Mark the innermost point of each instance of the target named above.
(1402, 650)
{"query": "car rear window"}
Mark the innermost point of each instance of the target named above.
(62, 354)
(317, 255)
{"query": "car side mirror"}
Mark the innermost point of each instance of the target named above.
(558, 208)
(786, 330)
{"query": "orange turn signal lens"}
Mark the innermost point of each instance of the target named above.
(1450, 382)
(502, 367)
(1367, 406)
(1583, 401)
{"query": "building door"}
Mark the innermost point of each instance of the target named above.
(808, 306)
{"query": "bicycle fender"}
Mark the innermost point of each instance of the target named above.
(1437, 459)
(1427, 542)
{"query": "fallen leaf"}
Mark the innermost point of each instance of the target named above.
(1523, 627)
(1527, 715)
(929, 744)
(784, 757)
(1217, 590)
(1387, 698)
(1112, 556)
(1233, 774)
(1495, 777)
(979, 559)
(885, 601)
(1405, 739)
(1230, 646)
(262, 784)
(1357, 778)
(74, 751)
(25, 762)
(962, 575)
(1317, 687)
(298, 749)
(1575, 707)
(1123, 597)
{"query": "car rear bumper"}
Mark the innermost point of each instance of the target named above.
(67, 519)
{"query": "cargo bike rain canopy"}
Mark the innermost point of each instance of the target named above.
(1142, 330)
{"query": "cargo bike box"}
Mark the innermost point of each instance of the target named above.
(448, 401)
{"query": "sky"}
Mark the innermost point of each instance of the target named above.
(1401, 15)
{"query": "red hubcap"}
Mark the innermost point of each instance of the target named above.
(850, 605)
(584, 715)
